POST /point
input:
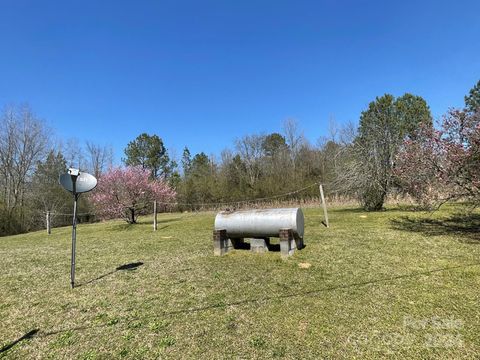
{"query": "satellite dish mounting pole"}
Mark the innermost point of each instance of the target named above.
(74, 231)
(86, 182)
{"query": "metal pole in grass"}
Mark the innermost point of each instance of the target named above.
(77, 183)
(74, 239)
(324, 205)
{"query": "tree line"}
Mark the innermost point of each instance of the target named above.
(396, 148)
(31, 161)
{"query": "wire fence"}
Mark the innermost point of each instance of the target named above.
(235, 202)
(211, 205)
(260, 202)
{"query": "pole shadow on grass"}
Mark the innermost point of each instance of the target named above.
(26, 336)
(466, 228)
(243, 302)
(124, 267)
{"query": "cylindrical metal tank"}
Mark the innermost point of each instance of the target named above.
(260, 223)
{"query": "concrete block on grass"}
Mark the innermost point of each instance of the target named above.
(259, 245)
(221, 243)
(287, 243)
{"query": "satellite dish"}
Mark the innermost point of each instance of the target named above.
(76, 182)
(83, 182)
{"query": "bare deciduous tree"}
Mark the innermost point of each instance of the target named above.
(99, 158)
(294, 138)
(23, 141)
(250, 149)
(74, 154)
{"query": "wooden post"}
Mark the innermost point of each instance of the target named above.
(155, 215)
(324, 206)
(49, 224)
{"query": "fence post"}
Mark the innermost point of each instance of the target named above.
(49, 224)
(324, 205)
(155, 215)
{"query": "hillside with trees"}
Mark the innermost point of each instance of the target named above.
(396, 149)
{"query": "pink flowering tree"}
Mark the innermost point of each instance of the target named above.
(129, 192)
(441, 165)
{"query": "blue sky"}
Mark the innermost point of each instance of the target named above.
(202, 73)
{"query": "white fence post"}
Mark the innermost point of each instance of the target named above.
(49, 223)
(155, 215)
(324, 205)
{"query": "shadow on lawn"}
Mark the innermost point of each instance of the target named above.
(128, 267)
(346, 210)
(465, 227)
(221, 305)
(247, 246)
(27, 336)
(360, 210)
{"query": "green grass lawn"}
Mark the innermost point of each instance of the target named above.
(390, 284)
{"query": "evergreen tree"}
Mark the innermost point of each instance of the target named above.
(48, 195)
(149, 152)
(472, 100)
(273, 144)
(410, 111)
(186, 161)
(383, 127)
